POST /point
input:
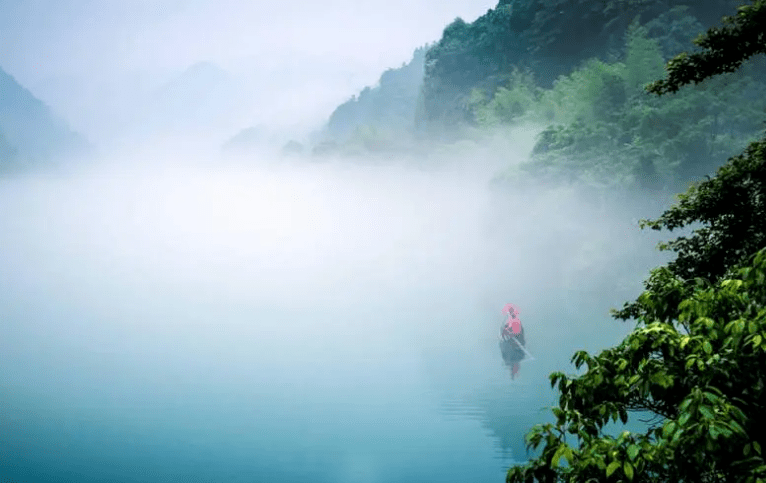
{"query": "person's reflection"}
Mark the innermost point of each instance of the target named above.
(513, 353)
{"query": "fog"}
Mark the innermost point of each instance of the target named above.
(173, 314)
(292, 317)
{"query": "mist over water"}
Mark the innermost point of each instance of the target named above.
(289, 320)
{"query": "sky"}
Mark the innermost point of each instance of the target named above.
(89, 58)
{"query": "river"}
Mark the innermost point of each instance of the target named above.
(311, 322)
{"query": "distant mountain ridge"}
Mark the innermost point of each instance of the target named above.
(204, 98)
(390, 104)
(549, 37)
(31, 135)
(380, 118)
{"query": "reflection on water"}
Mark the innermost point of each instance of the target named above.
(296, 326)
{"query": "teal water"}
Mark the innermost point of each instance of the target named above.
(324, 326)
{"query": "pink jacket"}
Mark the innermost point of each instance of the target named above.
(513, 324)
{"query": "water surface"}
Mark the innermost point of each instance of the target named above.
(324, 323)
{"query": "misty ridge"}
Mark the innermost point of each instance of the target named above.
(270, 253)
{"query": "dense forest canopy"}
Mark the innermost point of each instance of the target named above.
(605, 130)
(551, 37)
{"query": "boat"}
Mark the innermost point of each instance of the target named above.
(514, 351)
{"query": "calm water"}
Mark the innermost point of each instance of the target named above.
(323, 324)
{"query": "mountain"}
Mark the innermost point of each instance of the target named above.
(204, 98)
(550, 37)
(248, 139)
(31, 135)
(431, 95)
(389, 105)
(380, 118)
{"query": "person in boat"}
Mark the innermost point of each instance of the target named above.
(512, 331)
(512, 339)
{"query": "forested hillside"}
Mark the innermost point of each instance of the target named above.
(605, 131)
(381, 117)
(549, 37)
(574, 69)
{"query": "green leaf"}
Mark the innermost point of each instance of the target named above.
(669, 428)
(707, 347)
(735, 426)
(623, 435)
(684, 418)
(731, 284)
(569, 455)
(633, 450)
(725, 431)
(612, 468)
(557, 456)
(707, 412)
(598, 379)
(628, 468)
(710, 396)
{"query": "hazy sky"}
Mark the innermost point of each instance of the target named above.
(77, 53)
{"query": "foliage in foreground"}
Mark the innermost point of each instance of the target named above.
(731, 209)
(696, 363)
(701, 376)
(724, 49)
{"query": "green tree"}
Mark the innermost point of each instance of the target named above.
(731, 206)
(643, 58)
(696, 362)
(390, 105)
(587, 94)
(731, 209)
(509, 104)
(724, 49)
(608, 131)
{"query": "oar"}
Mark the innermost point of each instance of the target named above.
(522, 348)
